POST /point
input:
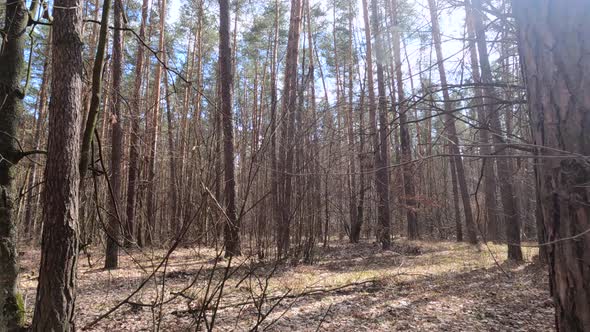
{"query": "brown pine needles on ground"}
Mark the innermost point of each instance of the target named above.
(417, 286)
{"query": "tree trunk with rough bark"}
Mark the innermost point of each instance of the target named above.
(56, 291)
(232, 227)
(11, 107)
(555, 53)
(114, 225)
(286, 148)
(134, 142)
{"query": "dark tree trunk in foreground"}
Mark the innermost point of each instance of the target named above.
(114, 226)
(232, 228)
(555, 52)
(11, 104)
(56, 292)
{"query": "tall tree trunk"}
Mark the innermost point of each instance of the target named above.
(554, 47)
(232, 227)
(362, 165)
(173, 186)
(405, 141)
(506, 179)
(309, 139)
(489, 178)
(382, 161)
(152, 229)
(11, 106)
(456, 205)
(134, 146)
(114, 226)
(97, 80)
(355, 221)
(56, 291)
(452, 130)
(286, 149)
(273, 123)
(381, 175)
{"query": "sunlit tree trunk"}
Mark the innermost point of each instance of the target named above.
(152, 228)
(232, 226)
(274, 190)
(286, 148)
(173, 185)
(355, 220)
(115, 223)
(134, 146)
(96, 92)
(56, 290)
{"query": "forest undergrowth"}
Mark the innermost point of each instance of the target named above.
(417, 286)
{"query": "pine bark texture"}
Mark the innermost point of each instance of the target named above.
(555, 52)
(56, 291)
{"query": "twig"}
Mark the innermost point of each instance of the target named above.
(311, 292)
(324, 317)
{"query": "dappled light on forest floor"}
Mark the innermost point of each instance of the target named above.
(417, 286)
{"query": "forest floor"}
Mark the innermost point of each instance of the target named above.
(417, 286)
